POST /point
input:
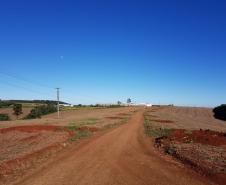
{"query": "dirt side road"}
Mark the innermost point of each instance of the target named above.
(121, 156)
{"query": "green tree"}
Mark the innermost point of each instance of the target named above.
(38, 111)
(129, 101)
(220, 112)
(17, 108)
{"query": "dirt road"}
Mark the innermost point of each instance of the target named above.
(121, 156)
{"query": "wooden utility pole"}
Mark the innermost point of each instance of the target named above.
(58, 102)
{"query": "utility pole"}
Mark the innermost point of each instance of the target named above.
(58, 102)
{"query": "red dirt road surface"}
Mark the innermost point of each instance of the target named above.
(121, 156)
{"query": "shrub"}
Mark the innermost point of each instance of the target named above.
(220, 112)
(4, 117)
(38, 111)
(17, 108)
(5, 104)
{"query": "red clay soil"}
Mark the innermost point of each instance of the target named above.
(21, 148)
(121, 156)
(123, 114)
(38, 128)
(30, 128)
(29, 138)
(206, 137)
(114, 117)
(21, 163)
(203, 150)
(219, 178)
(83, 128)
(91, 129)
(24, 146)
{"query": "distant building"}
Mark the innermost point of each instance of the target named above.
(148, 105)
(66, 105)
(143, 104)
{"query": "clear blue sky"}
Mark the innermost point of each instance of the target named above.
(158, 51)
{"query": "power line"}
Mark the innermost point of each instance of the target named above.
(25, 80)
(27, 89)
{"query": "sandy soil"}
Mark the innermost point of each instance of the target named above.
(188, 118)
(121, 156)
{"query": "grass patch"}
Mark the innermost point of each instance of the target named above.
(188, 132)
(116, 124)
(72, 128)
(81, 134)
(153, 131)
(109, 126)
(4, 117)
(2, 158)
(91, 121)
(124, 120)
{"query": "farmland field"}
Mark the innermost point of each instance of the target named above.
(191, 135)
(187, 118)
(110, 145)
(67, 117)
(26, 143)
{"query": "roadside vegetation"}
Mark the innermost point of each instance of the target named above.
(153, 131)
(5, 104)
(4, 117)
(90, 121)
(80, 134)
(39, 111)
(17, 108)
(27, 103)
(81, 129)
(220, 112)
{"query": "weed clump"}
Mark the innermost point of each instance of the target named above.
(153, 131)
(81, 134)
(4, 117)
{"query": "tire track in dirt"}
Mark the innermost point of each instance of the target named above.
(121, 156)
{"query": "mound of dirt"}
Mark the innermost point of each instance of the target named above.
(203, 150)
(30, 128)
(206, 137)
